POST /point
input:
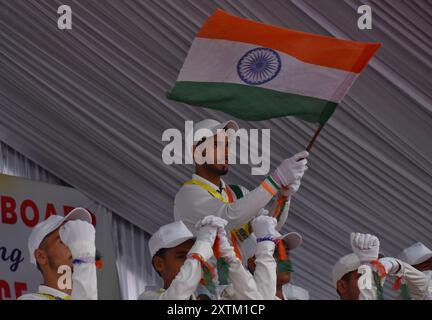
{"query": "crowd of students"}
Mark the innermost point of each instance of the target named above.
(224, 244)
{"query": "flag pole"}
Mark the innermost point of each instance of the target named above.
(317, 132)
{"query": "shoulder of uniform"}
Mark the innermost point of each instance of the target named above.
(297, 293)
(188, 191)
(32, 296)
(188, 187)
(151, 295)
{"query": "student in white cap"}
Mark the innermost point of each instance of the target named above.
(366, 251)
(345, 277)
(348, 269)
(207, 193)
(366, 247)
(420, 258)
(243, 285)
(280, 274)
(179, 258)
(64, 241)
(285, 289)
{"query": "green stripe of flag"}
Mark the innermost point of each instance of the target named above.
(252, 103)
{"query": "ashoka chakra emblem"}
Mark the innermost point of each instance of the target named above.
(259, 66)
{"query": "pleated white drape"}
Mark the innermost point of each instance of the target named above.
(89, 104)
(135, 270)
(15, 164)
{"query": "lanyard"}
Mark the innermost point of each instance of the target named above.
(241, 233)
(212, 191)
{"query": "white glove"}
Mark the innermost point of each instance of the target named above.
(263, 212)
(390, 264)
(265, 226)
(79, 236)
(291, 189)
(365, 246)
(291, 169)
(208, 227)
(211, 221)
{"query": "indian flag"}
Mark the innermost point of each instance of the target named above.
(255, 71)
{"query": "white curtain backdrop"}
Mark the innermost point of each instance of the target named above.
(15, 164)
(135, 270)
(89, 104)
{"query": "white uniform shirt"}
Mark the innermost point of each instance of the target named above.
(260, 286)
(292, 292)
(192, 203)
(429, 291)
(45, 293)
(265, 269)
(243, 285)
(419, 283)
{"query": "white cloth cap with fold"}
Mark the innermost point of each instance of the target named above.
(169, 236)
(211, 127)
(346, 264)
(415, 254)
(41, 230)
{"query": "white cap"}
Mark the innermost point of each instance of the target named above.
(169, 236)
(41, 230)
(346, 264)
(415, 254)
(212, 127)
(292, 241)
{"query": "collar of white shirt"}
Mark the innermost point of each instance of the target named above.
(211, 184)
(52, 292)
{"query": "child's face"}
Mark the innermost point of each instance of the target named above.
(170, 263)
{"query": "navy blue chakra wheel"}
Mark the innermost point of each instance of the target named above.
(258, 66)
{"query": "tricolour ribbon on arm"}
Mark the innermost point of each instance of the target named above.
(283, 264)
(208, 273)
(401, 286)
(378, 276)
(221, 265)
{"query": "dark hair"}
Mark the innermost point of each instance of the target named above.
(42, 246)
(347, 275)
(345, 278)
(161, 254)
